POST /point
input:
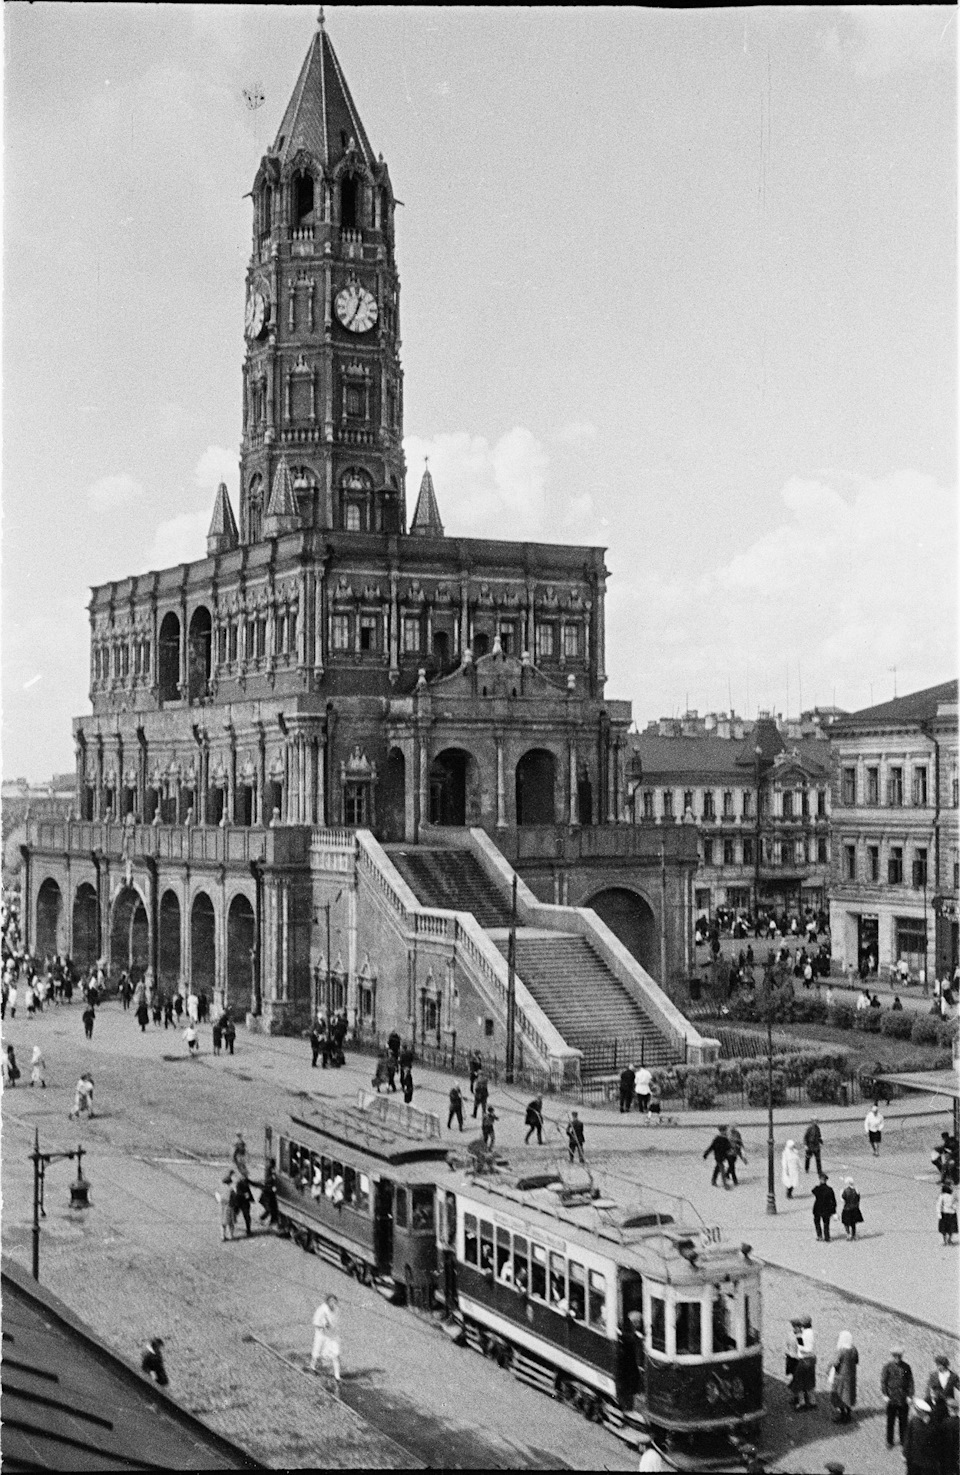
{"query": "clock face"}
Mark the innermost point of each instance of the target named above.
(255, 316)
(357, 308)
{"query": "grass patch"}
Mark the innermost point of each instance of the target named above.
(863, 1049)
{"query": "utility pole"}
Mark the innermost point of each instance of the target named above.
(512, 985)
(79, 1190)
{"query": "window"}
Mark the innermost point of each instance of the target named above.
(368, 632)
(799, 852)
(538, 1272)
(687, 1327)
(504, 1265)
(546, 642)
(747, 804)
(521, 1269)
(850, 862)
(688, 800)
(920, 868)
(658, 1324)
(572, 641)
(471, 1244)
(708, 852)
(873, 786)
(709, 810)
(821, 804)
(648, 804)
(233, 639)
(895, 788)
(422, 1204)
(558, 1281)
(508, 639)
(362, 1201)
(911, 937)
(849, 785)
(723, 1315)
(955, 794)
(261, 637)
(788, 805)
(668, 804)
(486, 1245)
(728, 857)
(577, 1291)
(751, 1316)
(748, 852)
(353, 401)
(292, 631)
(873, 862)
(728, 804)
(355, 804)
(411, 633)
(920, 787)
(822, 850)
(895, 865)
(351, 517)
(956, 875)
(340, 632)
(804, 803)
(597, 1301)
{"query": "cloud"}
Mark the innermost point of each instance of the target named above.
(577, 433)
(217, 465)
(876, 40)
(857, 575)
(181, 539)
(111, 492)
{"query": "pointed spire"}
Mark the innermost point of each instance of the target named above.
(281, 515)
(321, 116)
(223, 534)
(426, 518)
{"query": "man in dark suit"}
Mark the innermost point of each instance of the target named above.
(824, 1208)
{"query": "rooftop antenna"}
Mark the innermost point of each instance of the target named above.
(255, 97)
(894, 670)
(321, 19)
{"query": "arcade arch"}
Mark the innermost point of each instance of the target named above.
(49, 916)
(129, 934)
(631, 919)
(241, 943)
(168, 942)
(85, 948)
(536, 778)
(203, 945)
(452, 781)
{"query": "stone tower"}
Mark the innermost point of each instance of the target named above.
(322, 383)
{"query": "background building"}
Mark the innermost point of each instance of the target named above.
(896, 862)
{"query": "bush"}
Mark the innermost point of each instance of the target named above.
(896, 1024)
(744, 1007)
(841, 1016)
(868, 1021)
(809, 1011)
(947, 1029)
(700, 1094)
(925, 1030)
(824, 1086)
(755, 1084)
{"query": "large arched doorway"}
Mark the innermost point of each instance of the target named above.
(168, 659)
(535, 788)
(49, 914)
(241, 942)
(86, 926)
(392, 804)
(631, 919)
(199, 654)
(203, 945)
(129, 934)
(451, 774)
(168, 942)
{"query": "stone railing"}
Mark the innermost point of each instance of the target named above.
(196, 844)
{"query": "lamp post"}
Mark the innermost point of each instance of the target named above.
(757, 755)
(512, 986)
(768, 981)
(79, 1190)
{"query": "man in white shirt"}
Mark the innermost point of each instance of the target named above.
(642, 1088)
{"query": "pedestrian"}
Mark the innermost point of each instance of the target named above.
(487, 1130)
(896, 1386)
(842, 1378)
(805, 1372)
(193, 1043)
(533, 1121)
(30, 997)
(850, 1215)
(242, 1196)
(812, 1146)
(941, 1389)
(735, 1154)
(193, 1008)
(239, 1155)
(83, 1098)
(393, 1043)
(229, 1031)
(643, 1088)
(326, 1339)
(790, 1168)
(168, 1019)
(156, 1009)
(269, 1207)
(152, 1362)
(12, 1000)
(89, 1017)
(455, 1114)
(946, 1211)
(824, 1207)
(792, 1350)
(923, 1444)
(575, 1137)
(380, 1074)
(217, 1034)
(227, 1208)
(178, 1006)
(406, 1081)
(481, 1090)
(720, 1148)
(143, 1015)
(475, 1063)
(12, 1068)
(628, 1080)
(38, 1069)
(126, 991)
(873, 1126)
(315, 1043)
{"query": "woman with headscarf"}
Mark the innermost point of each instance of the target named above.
(850, 1216)
(790, 1168)
(843, 1378)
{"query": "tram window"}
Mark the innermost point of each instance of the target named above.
(422, 1208)
(658, 1324)
(316, 1182)
(289, 1157)
(597, 1302)
(451, 1218)
(400, 1209)
(327, 1169)
(687, 1322)
(284, 1155)
(350, 1186)
(538, 1272)
(751, 1312)
(362, 1203)
(724, 1318)
(504, 1266)
(558, 1282)
(577, 1293)
(471, 1245)
(486, 1245)
(521, 1274)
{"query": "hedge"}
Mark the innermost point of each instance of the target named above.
(925, 1030)
(824, 1086)
(896, 1024)
(868, 1021)
(756, 1088)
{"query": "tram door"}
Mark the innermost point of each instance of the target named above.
(630, 1370)
(383, 1223)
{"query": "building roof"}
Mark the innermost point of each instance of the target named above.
(730, 758)
(426, 518)
(321, 116)
(67, 1402)
(917, 706)
(223, 524)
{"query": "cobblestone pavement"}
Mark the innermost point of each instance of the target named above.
(147, 1259)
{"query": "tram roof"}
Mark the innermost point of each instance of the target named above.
(383, 1130)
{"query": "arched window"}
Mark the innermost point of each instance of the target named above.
(356, 490)
(350, 202)
(169, 663)
(303, 199)
(266, 211)
(255, 510)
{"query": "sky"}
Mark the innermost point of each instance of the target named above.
(679, 283)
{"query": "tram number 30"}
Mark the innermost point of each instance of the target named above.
(710, 1235)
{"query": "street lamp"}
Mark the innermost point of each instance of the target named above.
(768, 982)
(757, 755)
(79, 1189)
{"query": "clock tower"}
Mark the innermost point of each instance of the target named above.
(322, 383)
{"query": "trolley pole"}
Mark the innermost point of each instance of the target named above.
(512, 985)
(771, 1193)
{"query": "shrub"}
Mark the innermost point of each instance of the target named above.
(809, 1011)
(755, 1084)
(841, 1016)
(700, 1094)
(896, 1024)
(744, 1008)
(824, 1086)
(947, 1031)
(925, 1030)
(868, 1021)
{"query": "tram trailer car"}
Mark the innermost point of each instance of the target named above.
(357, 1186)
(642, 1322)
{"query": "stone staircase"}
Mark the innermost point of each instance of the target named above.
(451, 879)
